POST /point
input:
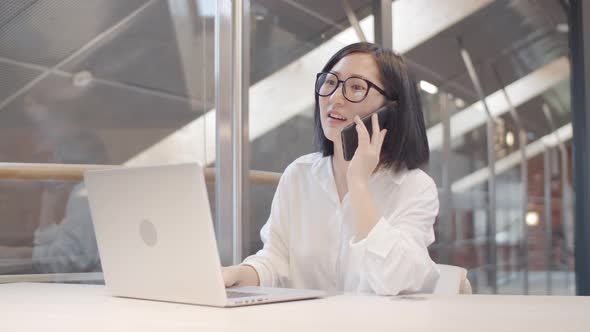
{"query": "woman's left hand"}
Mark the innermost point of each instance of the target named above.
(368, 152)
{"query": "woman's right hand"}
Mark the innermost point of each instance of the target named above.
(230, 275)
(239, 275)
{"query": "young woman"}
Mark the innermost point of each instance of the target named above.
(362, 225)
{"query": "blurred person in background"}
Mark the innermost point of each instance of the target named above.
(65, 244)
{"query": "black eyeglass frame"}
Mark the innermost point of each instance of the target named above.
(369, 84)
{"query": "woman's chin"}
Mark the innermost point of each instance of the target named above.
(331, 137)
(334, 140)
(332, 134)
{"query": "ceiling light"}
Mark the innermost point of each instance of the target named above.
(562, 27)
(428, 87)
(82, 79)
(509, 138)
(532, 218)
(460, 103)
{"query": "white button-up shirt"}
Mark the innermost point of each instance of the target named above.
(309, 236)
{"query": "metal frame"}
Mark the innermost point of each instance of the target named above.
(354, 22)
(382, 12)
(490, 131)
(547, 215)
(447, 197)
(565, 190)
(241, 146)
(232, 140)
(224, 142)
(522, 143)
(580, 48)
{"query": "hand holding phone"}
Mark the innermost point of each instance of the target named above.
(350, 136)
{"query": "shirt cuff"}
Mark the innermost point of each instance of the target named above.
(263, 274)
(375, 242)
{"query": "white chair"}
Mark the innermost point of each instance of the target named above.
(452, 281)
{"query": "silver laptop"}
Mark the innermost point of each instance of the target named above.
(156, 239)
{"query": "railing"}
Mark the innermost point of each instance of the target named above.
(75, 172)
(53, 277)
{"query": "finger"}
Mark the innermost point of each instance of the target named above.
(361, 130)
(359, 123)
(230, 282)
(381, 138)
(375, 127)
(228, 277)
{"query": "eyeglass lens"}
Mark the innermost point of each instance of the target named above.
(355, 89)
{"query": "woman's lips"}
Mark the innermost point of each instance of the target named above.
(333, 121)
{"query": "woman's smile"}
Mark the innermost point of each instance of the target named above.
(335, 118)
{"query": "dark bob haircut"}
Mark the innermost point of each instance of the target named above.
(406, 143)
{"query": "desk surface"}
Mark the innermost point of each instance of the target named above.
(63, 307)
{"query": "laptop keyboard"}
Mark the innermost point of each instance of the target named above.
(236, 294)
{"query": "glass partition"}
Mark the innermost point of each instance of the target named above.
(290, 41)
(134, 83)
(109, 82)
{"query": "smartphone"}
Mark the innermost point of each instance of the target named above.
(349, 136)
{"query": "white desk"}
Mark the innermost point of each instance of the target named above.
(88, 308)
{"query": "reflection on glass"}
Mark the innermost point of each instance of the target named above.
(133, 81)
(64, 238)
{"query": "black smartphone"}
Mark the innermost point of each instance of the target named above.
(349, 136)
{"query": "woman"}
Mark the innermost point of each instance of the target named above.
(362, 225)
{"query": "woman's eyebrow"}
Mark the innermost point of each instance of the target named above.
(353, 75)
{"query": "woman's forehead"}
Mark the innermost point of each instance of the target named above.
(358, 64)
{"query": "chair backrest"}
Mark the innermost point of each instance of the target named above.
(452, 280)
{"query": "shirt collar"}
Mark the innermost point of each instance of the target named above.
(321, 168)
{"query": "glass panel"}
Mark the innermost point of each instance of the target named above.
(291, 41)
(526, 54)
(110, 83)
(517, 54)
(53, 233)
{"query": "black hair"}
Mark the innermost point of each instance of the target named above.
(406, 143)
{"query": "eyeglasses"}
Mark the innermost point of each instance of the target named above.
(354, 89)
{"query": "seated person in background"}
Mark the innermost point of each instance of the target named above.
(362, 225)
(69, 244)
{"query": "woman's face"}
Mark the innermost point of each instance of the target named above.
(335, 111)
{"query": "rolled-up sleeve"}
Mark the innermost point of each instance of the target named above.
(272, 261)
(394, 255)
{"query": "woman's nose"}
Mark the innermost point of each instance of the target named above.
(337, 95)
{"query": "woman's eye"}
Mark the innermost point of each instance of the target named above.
(330, 82)
(358, 87)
